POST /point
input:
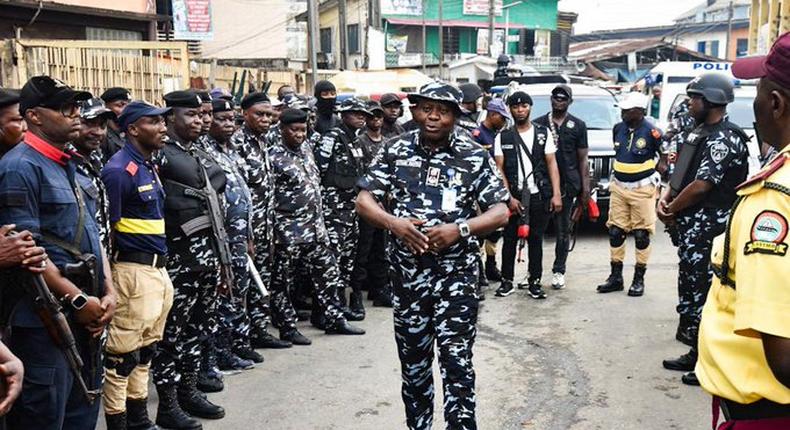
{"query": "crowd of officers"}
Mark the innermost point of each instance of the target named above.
(171, 237)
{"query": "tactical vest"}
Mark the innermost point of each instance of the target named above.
(723, 195)
(342, 174)
(183, 182)
(511, 141)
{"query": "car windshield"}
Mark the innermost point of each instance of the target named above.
(741, 112)
(598, 112)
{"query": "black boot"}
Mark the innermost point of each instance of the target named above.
(341, 326)
(194, 402)
(383, 297)
(317, 320)
(209, 383)
(685, 333)
(294, 337)
(261, 338)
(690, 378)
(638, 284)
(684, 363)
(492, 272)
(115, 421)
(137, 415)
(356, 305)
(169, 414)
(615, 280)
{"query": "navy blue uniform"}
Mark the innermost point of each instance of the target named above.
(635, 151)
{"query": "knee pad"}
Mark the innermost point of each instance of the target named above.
(642, 239)
(616, 236)
(147, 353)
(122, 363)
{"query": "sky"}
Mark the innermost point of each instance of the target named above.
(614, 14)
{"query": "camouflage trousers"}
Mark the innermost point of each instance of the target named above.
(343, 230)
(192, 318)
(234, 323)
(696, 231)
(320, 264)
(432, 307)
(258, 309)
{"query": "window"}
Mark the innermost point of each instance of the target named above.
(326, 40)
(714, 48)
(701, 46)
(96, 33)
(742, 48)
(353, 38)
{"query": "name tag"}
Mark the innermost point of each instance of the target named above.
(507, 146)
(408, 163)
(144, 188)
(449, 196)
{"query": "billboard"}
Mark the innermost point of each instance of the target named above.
(401, 7)
(480, 7)
(192, 20)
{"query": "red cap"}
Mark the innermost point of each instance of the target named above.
(774, 66)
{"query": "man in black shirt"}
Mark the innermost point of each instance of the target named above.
(570, 134)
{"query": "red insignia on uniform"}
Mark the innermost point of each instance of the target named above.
(769, 170)
(132, 168)
(656, 134)
(475, 133)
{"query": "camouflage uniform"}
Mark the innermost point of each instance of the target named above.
(340, 149)
(722, 162)
(301, 238)
(434, 295)
(680, 125)
(91, 167)
(251, 147)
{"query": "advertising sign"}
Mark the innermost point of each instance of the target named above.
(192, 20)
(401, 7)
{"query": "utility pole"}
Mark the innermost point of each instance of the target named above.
(341, 18)
(729, 31)
(441, 41)
(312, 39)
(491, 17)
(424, 41)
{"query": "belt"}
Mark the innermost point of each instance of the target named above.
(759, 410)
(144, 258)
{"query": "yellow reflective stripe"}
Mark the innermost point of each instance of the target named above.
(634, 167)
(140, 226)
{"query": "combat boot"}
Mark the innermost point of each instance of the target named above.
(317, 320)
(356, 305)
(341, 326)
(116, 421)
(209, 383)
(194, 402)
(169, 414)
(492, 272)
(261, 338)
(684, 363)
(383, 297)
(295, 337)
(638, 284)
(137, 415)
(248, 353)
(615, 280)
(685, 332)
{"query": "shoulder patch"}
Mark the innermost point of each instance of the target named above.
(769, 230)
(131, 168)
(719, 151)
(767, 171)
(655, 133)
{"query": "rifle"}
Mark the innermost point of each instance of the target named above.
(51, 314)
(218, 226)
(256, 276)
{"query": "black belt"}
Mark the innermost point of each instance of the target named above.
(144, 258)
(759, 410)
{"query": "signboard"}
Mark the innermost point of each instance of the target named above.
(480, 7)
(192, 20)
(401, 7)
(482, 42)
(397, 43)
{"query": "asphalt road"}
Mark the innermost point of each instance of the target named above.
(578, 360)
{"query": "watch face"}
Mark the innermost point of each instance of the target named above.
(79, 302)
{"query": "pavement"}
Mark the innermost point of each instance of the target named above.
(577, 360)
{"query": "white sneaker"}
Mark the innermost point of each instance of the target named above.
(558, 281)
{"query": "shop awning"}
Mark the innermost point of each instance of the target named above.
(451, 23)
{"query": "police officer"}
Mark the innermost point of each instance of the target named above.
(340, 163)
(470, 110)
(744, 337)
(43, 193)
(393, 110)
(206, 113)
(136, 202)
(637, 144)
(301, 235)
(435, 178)
(250, 143)
(526, 155)
(12, 124)
(325, 98)
(711, 163)
(115, 99)
(193, 264)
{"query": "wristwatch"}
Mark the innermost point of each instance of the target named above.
(464, 229)
(77, 302)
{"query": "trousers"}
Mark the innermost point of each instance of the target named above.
(538, 221)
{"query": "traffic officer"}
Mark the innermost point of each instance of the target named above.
(136, 203)
(470, 106)
(393, 110)
(339, 158)
(115, 99)
(632, 208)
(436, 178)
(12, 124)
(43, 193)
(711, 163)
(301, 238)
(744, 337)
(325, 95)
(93, 132)
(193, 263)
(250, 143)
(370, 263)
(526, 156)
(570, 135)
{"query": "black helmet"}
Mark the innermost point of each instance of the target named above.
(716, 88)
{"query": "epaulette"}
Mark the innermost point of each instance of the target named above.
(767, 171)
(131, 168)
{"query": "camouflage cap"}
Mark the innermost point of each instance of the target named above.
(353, 104)
(94, 108)
(441, 92)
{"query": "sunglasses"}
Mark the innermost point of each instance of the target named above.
(560, 98)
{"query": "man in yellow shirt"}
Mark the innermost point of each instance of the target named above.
(744, 337)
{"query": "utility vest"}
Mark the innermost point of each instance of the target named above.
(511, 144)
(343, 172)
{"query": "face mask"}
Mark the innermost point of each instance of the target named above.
(325, 106)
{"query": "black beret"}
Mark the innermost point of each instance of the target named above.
(519, 97)
(8, 97)
(221, 105)
(115, 94)
(205, 97)
(291, 116)
(390, 98)
(182, 99)
(253, 99)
